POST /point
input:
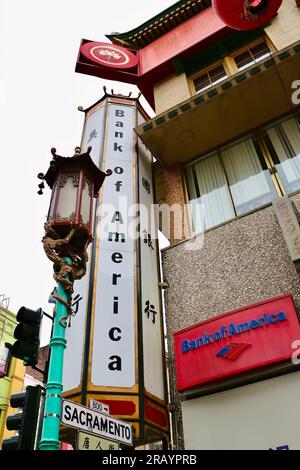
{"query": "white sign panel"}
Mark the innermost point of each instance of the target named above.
(113, 355)
(99, 406)
(85, 419)
(260, 416)
(151, 303)
(75, 335)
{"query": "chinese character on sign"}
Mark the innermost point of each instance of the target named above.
(93, 135)
(75, 303)
(150, 309)
(86, 443)
(148, 239)
(146, 185)
(99, 446)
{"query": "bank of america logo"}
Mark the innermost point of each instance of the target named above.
(232, 351)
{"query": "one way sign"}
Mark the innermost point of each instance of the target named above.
(85, 419)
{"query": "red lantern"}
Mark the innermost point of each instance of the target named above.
(246, 14)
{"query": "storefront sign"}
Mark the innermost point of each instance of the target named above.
(113, 354)
(236, 342)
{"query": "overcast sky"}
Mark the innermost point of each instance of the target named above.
(39, 95)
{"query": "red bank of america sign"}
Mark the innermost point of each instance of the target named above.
(236, 342)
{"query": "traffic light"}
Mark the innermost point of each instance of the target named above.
(27, 334)
(25, 422)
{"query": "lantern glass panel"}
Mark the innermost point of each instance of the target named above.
(66, 207)
(52, 203)
(86, 202)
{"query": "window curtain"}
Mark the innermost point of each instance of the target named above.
(210, 201)
(285, 139)
(250, 185)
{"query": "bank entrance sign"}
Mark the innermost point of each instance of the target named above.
(100, 424)
(249, 338)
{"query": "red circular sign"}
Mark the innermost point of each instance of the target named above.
(246, 14)
(109, 55)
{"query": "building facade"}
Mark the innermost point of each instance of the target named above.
(226, 138)
(12, 370)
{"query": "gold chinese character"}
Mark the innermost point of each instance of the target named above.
(108, 53)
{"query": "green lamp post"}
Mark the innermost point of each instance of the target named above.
(74, 182)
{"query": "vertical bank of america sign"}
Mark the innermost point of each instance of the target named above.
(115, 346)
(236, 342)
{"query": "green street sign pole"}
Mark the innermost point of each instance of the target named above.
(54, 387)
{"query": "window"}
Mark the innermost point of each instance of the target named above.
(230, 65)
(227, 183)
(236, 179)
(252, 55)
(211, 77)
(283, 144)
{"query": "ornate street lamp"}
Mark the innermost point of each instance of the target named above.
(75, 182)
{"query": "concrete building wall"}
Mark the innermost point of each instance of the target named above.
(240, 263)
(285, 27)
(170, 92)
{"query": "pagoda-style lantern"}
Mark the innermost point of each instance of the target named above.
(246, 14)
(75, 182)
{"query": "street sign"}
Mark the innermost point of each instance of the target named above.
(87, 441)
(100, 424)
(99, 406)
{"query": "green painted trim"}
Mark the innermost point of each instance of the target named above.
(172, 114)
(159, 17)
(241, 77)
(284, 55)
(226, 85)
(255, 70)
(212, 93)
(148, 127)
(160, 120)
(54, 387)
(185, 107)
(269, 63)
(220, 49)
(200, 99)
